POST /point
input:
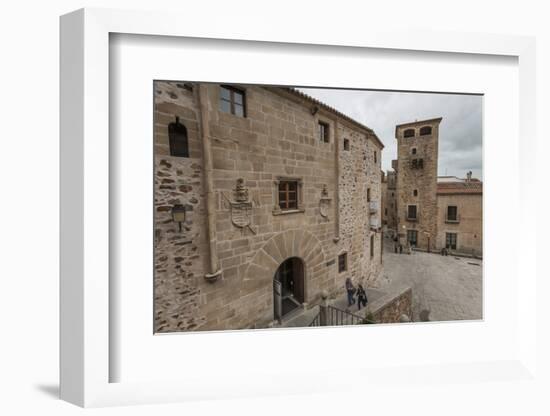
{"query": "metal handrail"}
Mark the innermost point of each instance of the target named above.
(337, 317)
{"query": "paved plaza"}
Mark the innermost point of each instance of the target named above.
(444, 287)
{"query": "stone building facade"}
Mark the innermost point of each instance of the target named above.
(389, 198)
(433, 212)
(417, 157)
(460, 214)
(264, 198)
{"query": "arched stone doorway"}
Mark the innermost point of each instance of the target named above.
(288, 287)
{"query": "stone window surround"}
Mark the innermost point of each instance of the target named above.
(276, 208)
(344, 255)
(234, 89)
(407, 213)
(451, 221)
(330, 124)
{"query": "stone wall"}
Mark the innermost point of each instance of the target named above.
(277, 138)
(423, 181)
(390, 308)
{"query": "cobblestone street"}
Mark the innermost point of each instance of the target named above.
(444, 288)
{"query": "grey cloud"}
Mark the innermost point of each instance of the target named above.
(460, 137)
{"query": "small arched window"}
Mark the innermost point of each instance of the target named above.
(408, 133)
(177, 134)
(425, 131)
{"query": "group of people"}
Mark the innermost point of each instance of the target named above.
(359, 292)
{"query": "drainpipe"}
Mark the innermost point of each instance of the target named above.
(337, 182)
(215, 270)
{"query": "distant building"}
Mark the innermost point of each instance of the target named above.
(432, 212)
(460, 213)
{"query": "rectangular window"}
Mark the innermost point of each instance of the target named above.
(323, 132)
(412, 237)
(411, 212)
(368, 194)
(342, 262)
(375, 157)
(450, 241)
(232, 101)
(346, 144)
(288, 195)
(452, 213)
(372, 246)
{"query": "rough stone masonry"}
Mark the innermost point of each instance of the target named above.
(272, 183)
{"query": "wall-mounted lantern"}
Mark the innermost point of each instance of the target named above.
(179, 213)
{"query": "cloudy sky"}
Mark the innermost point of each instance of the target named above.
(460, 147)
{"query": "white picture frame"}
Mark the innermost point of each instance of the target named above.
(85, 211)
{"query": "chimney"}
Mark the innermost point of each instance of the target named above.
(469, 177)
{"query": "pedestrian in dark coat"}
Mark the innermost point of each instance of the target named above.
(350, 289)
(361, 297)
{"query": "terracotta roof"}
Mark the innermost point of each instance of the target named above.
(452, 188)
(333, 110)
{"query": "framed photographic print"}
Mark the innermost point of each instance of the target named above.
(251, 207)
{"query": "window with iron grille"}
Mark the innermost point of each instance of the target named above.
(288, 195)
(412, 237)
(324, 132)
(450, 241)
(232, 101)
(411, 212)
(342, 262)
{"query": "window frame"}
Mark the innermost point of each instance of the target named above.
(346, 145)
(325, 137)
(448, 218)
(448, 241)
(424, 129)
(343, 257)
(232, 102)
(277, 209)
(410, 233)
(415, 218)
(406, 135)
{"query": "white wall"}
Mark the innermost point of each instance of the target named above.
(29, 209)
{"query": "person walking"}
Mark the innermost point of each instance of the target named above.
(350, 289)
(361, 297)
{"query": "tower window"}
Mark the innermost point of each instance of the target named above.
(413, 150)
(408, 133)
(425, 131)
(177, 135)
(415, 192)
(375, 157)
(411, 212)
(368, 194)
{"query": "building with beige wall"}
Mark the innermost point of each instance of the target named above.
(264, 198)
(460, 213)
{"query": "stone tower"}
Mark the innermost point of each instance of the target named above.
(417, 151)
